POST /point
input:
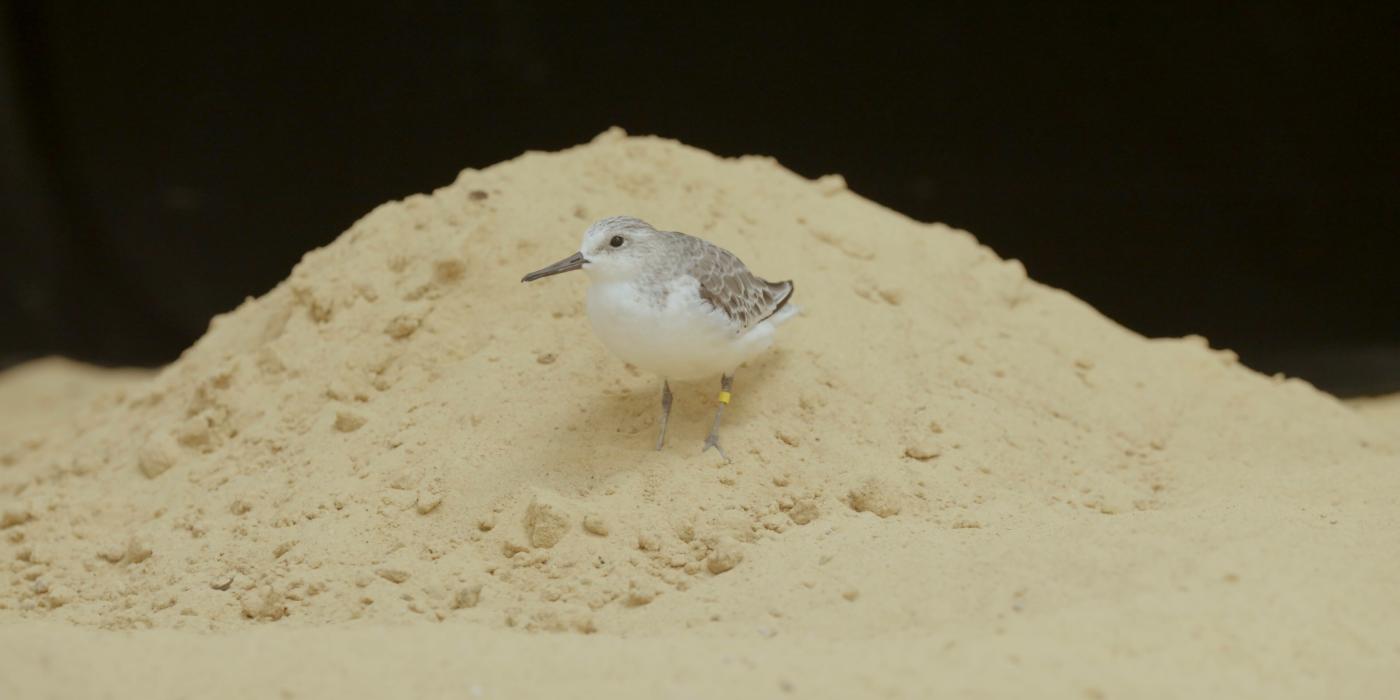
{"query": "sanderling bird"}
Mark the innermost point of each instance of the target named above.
(675, 305)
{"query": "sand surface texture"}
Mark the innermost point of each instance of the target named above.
(403, 472)
(1383, 410)
(39, 394)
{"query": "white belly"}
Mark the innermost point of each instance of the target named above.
(683, 339)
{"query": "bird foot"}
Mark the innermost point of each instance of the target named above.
(713, 441)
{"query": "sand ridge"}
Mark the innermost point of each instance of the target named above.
(938, 451)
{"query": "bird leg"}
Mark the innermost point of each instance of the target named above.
(725, 385)
(665, 412)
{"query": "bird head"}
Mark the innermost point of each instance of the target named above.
(612, 248)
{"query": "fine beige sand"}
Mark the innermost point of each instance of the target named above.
(1383, 410)
(39, 394)
(403, 473)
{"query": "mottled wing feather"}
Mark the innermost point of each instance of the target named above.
(727, 285)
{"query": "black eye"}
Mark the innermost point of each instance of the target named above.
(616, 241)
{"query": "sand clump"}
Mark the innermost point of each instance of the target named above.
(968, 479)
(546, 520)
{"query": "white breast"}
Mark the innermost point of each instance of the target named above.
(683, 338)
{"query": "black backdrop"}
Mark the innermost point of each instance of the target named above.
(1234, 173)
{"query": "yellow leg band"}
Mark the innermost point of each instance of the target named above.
(724, 397)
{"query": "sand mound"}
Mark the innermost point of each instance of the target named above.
(945, 470)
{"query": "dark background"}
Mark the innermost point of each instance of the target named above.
(1234, 173)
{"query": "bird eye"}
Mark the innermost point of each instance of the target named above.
(616, 241)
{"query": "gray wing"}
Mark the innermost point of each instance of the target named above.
(727, 285)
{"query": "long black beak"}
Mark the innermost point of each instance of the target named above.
(573, 262)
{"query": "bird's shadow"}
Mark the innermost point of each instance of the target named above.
(615, 429)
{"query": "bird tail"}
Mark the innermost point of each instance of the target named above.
(783, 311)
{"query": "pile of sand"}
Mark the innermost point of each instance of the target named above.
(946, 476)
